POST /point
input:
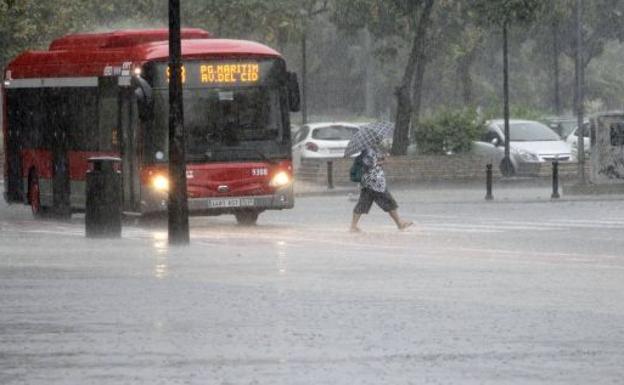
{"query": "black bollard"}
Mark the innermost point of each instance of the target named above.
(103, 209)
(488, 182)
(555, 179)
(330, 174)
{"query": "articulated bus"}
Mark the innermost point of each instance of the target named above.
(107, 94)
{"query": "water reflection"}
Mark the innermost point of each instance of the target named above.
(282, 262)
(161, 269)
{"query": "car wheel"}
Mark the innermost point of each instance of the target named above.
(247, 217)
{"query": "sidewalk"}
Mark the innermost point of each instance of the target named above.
(510, 190)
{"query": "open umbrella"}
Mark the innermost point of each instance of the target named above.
(369, 136)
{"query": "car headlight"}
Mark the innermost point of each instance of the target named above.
(160, 183)
(525, 155)
(280, 179)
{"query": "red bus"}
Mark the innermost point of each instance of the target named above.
(106, 94)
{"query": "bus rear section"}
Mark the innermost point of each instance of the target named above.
(237, 100)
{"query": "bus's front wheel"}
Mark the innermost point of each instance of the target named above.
(247, 217)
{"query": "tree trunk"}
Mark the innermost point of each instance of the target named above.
(465, 77)
(403, 94)
(403, 116)
(417, 92)
(404, 106)
(369, 86)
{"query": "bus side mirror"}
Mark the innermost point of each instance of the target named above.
(144, 96)
(294, 99)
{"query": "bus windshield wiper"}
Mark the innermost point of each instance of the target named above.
(263, 156)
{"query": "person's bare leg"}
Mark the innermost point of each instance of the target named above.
(354, 221)
(401, 224)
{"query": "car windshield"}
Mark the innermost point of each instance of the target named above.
(531, 132)
(334, 133)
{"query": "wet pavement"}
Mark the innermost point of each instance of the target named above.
(522, 290)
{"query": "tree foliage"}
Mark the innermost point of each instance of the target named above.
(409, 19)
(449, 131)
(364, 49)
(502, 12)
(602, 22)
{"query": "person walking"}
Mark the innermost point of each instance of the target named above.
(373, 183)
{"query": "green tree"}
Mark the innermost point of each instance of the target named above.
(556, 33)
(459, 38)
(548, 43)
(503, 13)
(601, 24)
(32, 24)
(449, 131)
(406, 18)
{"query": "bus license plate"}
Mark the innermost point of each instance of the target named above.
(231, 202)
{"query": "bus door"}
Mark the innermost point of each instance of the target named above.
(14, 187)
(58, 119)
(128, 123)
(116, 129)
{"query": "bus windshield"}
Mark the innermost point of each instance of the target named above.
(225, 122)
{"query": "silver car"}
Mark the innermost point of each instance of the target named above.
(531, 144)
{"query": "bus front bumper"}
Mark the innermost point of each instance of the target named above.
(153, 202)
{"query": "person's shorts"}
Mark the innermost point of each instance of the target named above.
(367, 196)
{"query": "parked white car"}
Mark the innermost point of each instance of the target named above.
(572, 140)
(531, 144)
(321, 141)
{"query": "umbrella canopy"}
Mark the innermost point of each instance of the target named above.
(369, 136)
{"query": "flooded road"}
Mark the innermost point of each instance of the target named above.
(503, 292)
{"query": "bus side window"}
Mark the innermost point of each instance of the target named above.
(82, 133)
(28, 117)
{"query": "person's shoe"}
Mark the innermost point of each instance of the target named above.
(405, 224)
(355, 229)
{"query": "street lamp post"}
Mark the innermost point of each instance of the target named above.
(178, 205)
(304, 67)
(578, 65)
(506, 166)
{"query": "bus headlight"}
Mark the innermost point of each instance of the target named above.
(160, 183)
(280, 179)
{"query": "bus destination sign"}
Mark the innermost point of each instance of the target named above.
(220, 74)
(230, 73)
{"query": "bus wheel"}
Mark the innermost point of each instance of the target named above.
(34, 195)
(247, 218)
